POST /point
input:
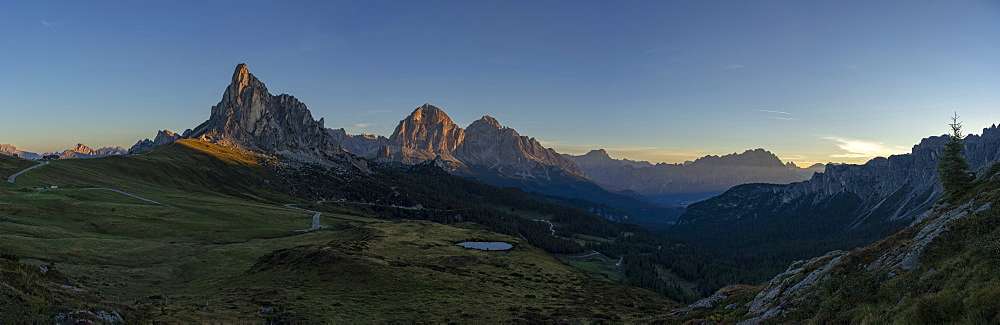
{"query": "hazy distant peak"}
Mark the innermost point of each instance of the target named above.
(755, 157)
(597, 153)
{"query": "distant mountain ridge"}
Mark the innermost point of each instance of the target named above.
(908, 179)
(78, 151)
(692, 181)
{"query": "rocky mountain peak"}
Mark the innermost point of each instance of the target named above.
(429, 113)
(488, 120)
(423, 135)
(489, 125)
(81, 148)
(241, 77)
(249, 117)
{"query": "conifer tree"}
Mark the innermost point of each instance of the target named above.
(951, 165)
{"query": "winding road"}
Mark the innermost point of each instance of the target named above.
(315, 220)
(12, 178)
(551, 226)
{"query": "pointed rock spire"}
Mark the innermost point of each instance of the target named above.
(249, 117)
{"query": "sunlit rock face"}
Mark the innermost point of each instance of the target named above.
(428, 134)
(425, 134)
(249, 117)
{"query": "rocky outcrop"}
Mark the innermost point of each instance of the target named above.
(791, 287)
(162, 137)
(796, 288)
(692, 181)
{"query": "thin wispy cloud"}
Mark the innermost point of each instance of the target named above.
(653, 50)
(770, 111)
(362, 125)
(851, 67)
(735, 66)
(51, 24)
(784, 116)
(854, 148)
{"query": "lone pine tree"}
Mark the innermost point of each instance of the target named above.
(951, 166)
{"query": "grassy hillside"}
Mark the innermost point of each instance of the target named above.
(10, 165)
(226, 250)
(943, 269)
(186, 166)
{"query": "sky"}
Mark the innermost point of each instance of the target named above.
(663, 81)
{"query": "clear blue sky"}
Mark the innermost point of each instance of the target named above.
(659, 80)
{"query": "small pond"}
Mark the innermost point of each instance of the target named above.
(486, 245)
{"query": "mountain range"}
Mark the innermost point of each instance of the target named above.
(497, 155)
(681, 184)
(429, 134)
(79, 151)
